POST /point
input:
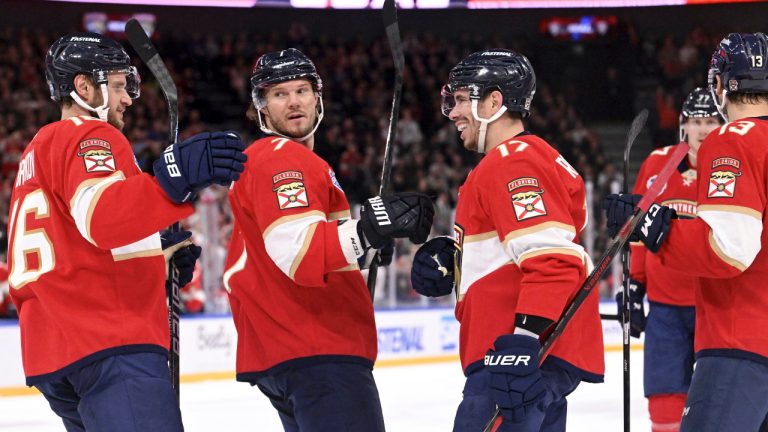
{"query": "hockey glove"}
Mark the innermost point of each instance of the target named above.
(432, 271)
(385, 256)
(636, 307)
(517, 385)
(179, 247)
(399, 215)
(651, 231)
(618, 209)
(192, 165)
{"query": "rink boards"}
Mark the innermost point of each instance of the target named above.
(208, 343)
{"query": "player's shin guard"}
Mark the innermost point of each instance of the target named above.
(666, 411)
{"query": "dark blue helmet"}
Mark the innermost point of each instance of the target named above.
(494, 69)
(741, 61)
(275, 67)
(90, 54)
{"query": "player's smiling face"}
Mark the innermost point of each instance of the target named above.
(119, 100)
(698, 128)
(461, 116)
(291, 108)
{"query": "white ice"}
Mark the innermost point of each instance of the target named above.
(414, 398)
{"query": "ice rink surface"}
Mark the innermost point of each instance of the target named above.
(414, 398)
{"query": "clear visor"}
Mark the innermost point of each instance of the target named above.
(448, 100)
(132, 79)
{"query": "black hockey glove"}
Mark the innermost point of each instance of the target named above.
(399, 215)
(637, 316)
(196, 163)
(384, 255)
(432, 270)
(619, 208)
(179, 247)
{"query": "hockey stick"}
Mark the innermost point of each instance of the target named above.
(389, 12)
(604, 262)
(634, 130)
(148, 54)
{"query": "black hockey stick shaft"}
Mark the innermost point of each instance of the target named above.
(634, 130)
(392, 28)
(603, 264)
(149, 55)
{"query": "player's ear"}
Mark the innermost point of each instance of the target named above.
(497, 99)
(719, 86)
(82, 84)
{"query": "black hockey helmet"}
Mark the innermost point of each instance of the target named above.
(275, 67)
(699, 103)
(494, 69)
(90, 54)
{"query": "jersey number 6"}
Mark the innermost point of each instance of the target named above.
(24, 242)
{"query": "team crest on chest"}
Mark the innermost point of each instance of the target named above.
(527, 203)
(689, 177)
(722, 181)
(290, 190)
(97, 155)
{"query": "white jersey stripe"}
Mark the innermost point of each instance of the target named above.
(736, 233)
(285, 242)
(149, 246)
(85, 199)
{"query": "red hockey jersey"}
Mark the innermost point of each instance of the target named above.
(726, 244)
(665, 285)
(86, 267)
(296, 297)
(518, 219)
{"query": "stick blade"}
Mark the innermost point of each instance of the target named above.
(634, 130)
(139, 40)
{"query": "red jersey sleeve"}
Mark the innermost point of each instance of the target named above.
(726, 236)
(111, 201)
(531, 211)
(290, 198)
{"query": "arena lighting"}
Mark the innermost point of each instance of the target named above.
(206, 3)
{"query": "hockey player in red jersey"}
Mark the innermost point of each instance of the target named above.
(86, 263)
(669, 328)
(516, 259)
(305, 323)
(725, 246)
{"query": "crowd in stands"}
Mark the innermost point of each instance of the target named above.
(212, 74)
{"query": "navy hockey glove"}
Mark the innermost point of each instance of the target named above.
(619, 208)
(636, 307)
(196, 163)
(651, 231)
(399, 215)
(432, 271)
(179, 247)
(517, 385)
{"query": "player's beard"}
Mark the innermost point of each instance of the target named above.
(114, 120)
(295, 132)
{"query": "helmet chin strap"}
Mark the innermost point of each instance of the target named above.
(484, 124)
(269, 131)
(720, 105)
(102, 111)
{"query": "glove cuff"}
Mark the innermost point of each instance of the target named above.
(174, 187)
(352, 243)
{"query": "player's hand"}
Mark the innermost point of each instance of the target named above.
(198, 162)
(618, 209)
(517, 385)
(432, 270)
(637, 316)
(399, 215)
(179, 247)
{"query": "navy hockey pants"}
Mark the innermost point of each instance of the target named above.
(122, 393)
(327, 397)
(727, 395)
(477, 407)
(668, 351)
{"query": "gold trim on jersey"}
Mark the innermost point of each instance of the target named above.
(303, 251)
(343, 214)
(101, 183)
(139, 254)
(479, 237)
(731, 209)
(549, 251)
(350, 267)
(238, 266)
(289, 218)
(719, 252)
